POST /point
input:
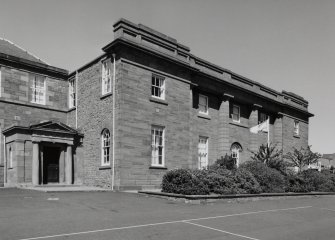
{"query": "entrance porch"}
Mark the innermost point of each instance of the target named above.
(41, 154)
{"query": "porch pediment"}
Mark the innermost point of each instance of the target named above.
(51, 126)
(50, 131)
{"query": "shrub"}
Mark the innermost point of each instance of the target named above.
(225, 162)
(224, 181)
(295, 183)
(317, 181)
(269, 179)
(183, 181)
(311, 180)
(219, 181)
(246, 182)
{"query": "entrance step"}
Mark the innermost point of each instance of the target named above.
(66, 188)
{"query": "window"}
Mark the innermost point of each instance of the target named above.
(106, 77)
(106, 145)
(236, 113)
(296, 127)
(203, 104)
(203, 153)
(72, 93)
(235, 152)
(157, 146)
(38, 90)
(10, 155)
(262, 117)
(158, 87)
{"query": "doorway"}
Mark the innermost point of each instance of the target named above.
(51, 157)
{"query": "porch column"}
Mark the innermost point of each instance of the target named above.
(68, 165)
(35, 164)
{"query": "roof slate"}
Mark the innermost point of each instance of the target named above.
(9, 48)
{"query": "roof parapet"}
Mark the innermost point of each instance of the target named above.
(141, 36)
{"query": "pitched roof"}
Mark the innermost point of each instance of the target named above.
(9, 48)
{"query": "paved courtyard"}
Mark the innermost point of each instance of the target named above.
(27, 214)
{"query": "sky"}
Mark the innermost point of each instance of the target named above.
(284, 44)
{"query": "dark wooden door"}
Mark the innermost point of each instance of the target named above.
(51, 164)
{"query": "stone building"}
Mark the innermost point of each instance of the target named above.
(144, 106)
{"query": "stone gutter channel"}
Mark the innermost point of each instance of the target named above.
(198, 199)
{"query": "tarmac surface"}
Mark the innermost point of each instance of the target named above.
(27, 214)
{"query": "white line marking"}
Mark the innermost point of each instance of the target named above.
(247, 213)
(218, 230)
(161, 223)
(328, 209)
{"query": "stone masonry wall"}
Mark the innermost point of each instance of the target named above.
(94, 115)
(138, 112)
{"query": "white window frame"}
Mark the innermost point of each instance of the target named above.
(72, 93)
(235, 153)
(203, 153)
(158, 87)
(105, 147)
(203, 106)
(296, 128)
(36, 90)
(106, 80)
(239, 113)
(157, 142)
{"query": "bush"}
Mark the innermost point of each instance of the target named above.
(183, 181)
(317, 181)
(246, 182)
(311, 180)
(295, 183)
(269, 179)
(219, 181)
(224, 162)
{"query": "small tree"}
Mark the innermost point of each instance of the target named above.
(302, 158)
(270, 156)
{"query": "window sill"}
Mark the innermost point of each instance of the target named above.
(158, 167)
(238, 124)
(158, 100)
(106, 95)
(104, 167)
(203, 115)
(296, 136)
(35, 103)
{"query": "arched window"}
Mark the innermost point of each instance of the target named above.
(105, 147)
(235, 152)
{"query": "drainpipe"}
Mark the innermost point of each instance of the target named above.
(113, 156)
(5, 159)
